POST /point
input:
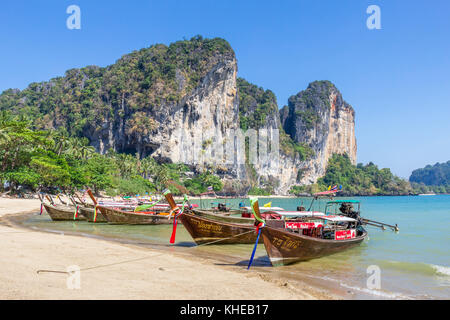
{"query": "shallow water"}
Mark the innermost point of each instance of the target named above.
(414, 263)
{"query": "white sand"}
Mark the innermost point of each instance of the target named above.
(128, 272)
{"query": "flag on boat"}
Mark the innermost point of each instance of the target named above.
(268, 205)
(334, 188)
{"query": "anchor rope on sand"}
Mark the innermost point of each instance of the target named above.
(139, 259)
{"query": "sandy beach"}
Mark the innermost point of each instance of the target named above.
(111, 270)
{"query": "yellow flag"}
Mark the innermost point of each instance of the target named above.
(268, 205)
(329, 188)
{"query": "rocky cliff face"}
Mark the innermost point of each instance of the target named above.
(168, 102)
(195, 131)
(320, 118)
(184, 103)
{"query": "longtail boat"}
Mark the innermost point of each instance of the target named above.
(89, 214)
(117, 216)
(204, 230)
(62, 213)
(151, 214)
(207, 226)
(88, 211)
(230, 216)
(213, 226)
(290, 241)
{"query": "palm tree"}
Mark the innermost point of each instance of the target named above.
(148, 167)
(61, 141)
(162, 177)
(79, 148)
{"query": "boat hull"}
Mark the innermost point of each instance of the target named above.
(204, 230)
(114, 216)
(223, 216)
(285, 247)
(62, 213)
(89, 214)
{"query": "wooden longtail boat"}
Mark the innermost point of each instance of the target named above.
(285, 247)
(62, 213)
(204, 230)
(230, 216)
(88, 211)
(157, 214)
(290, 241)
(213, 226)
(117, 216)
(89, 214)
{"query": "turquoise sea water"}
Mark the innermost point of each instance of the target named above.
(414, 263)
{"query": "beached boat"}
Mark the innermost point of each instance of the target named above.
(89, 214)
(224, 230)
(121, 213)
(117, 216)
(62, 213)
(232, 216)
(309, 237)
(215, 226)
(285, 245)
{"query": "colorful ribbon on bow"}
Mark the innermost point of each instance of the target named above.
(259, 226)
(75, 215)
(175, 220)
(258, 230)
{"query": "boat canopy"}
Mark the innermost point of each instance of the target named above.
(299, 213)
(343, 201)
(338, 218)
(265, 208)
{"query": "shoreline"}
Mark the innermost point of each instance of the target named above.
(113, 270)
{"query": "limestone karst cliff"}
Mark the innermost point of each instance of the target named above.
(320, 118)
(185, 103)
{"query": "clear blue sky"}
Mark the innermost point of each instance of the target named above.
(396, 78)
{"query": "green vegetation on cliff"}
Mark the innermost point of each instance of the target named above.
(436, 175)
(258, 108)
(255, 104)
(34, 159)
(358, 180)
(309, 102)
(145, 80)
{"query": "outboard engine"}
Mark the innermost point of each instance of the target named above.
(222, 207)
(347, 210)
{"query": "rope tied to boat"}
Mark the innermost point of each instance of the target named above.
(223, 239)
(139, 259)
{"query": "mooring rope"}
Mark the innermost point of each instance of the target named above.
(215, 241)
(139, 259)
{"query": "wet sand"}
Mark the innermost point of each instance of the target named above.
(110, 270)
